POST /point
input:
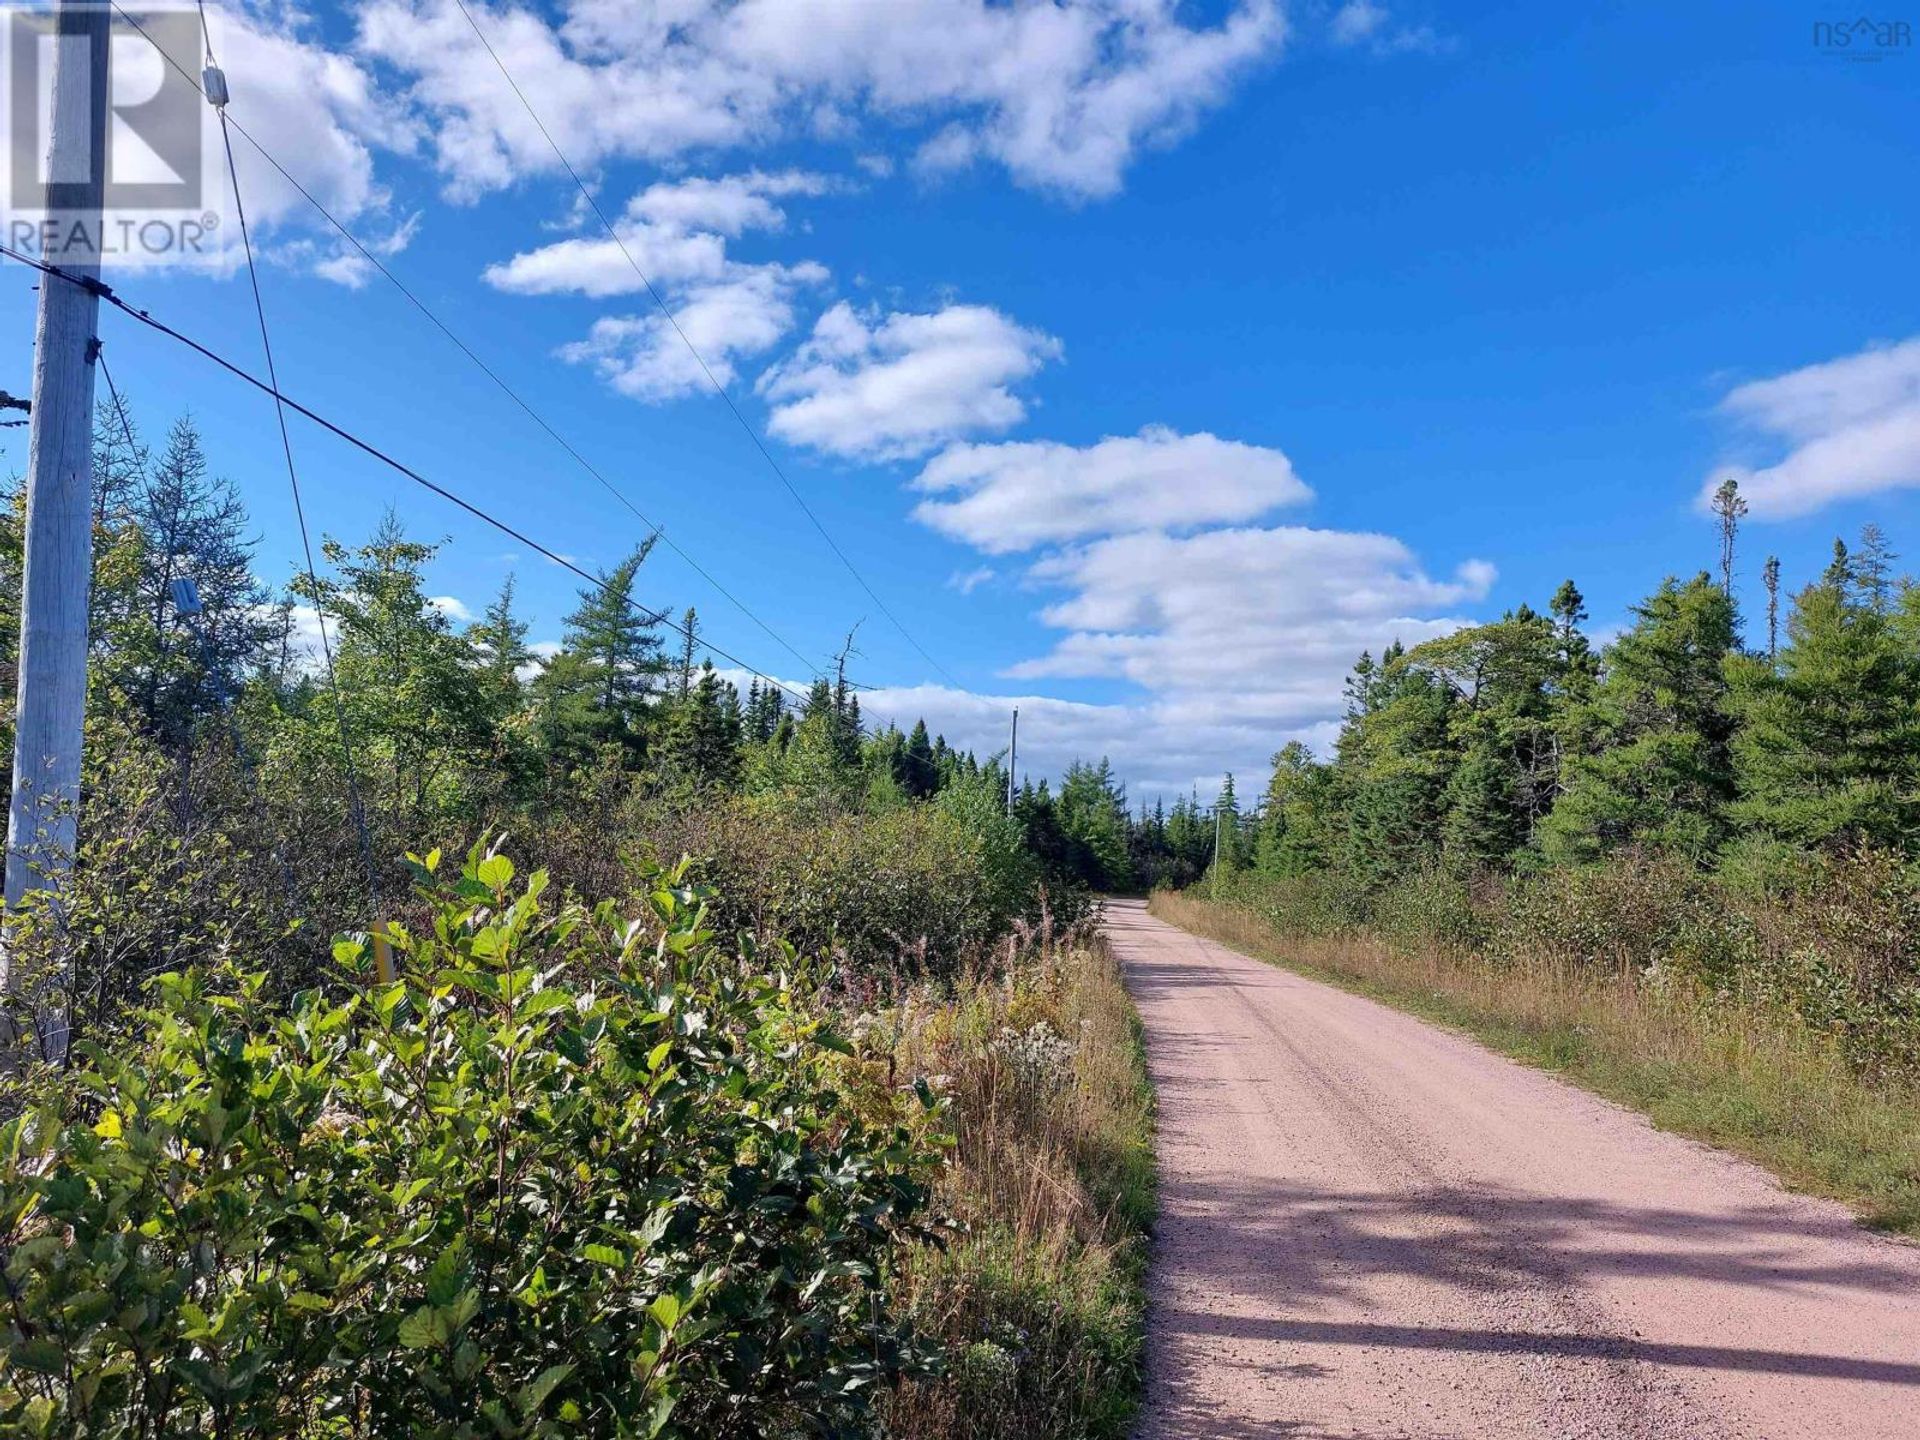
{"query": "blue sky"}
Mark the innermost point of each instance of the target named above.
(1148, 359)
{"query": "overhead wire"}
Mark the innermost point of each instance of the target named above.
(293, 482)
(109, 296)
(372, 258)
(137, 454)
(672, 320)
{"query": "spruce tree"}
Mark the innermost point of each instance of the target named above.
(413, 701)
(1297, 814)
(596, 691)
(1729, 509)
(1648, 760)
(499, 640)
(689, 642)
(919, 771)
(1770, 576)
(1826, 748)
(177, 668)
(700, 742)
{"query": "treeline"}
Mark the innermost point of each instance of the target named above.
(769, 1088)
(248, 790)
(448, 713)
(1519, 745)
(1725, 826)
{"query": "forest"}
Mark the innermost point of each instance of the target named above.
(430, 1036)
(1679, 866)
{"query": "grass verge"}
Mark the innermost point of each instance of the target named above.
(1761, 1085)
(1040, 1298)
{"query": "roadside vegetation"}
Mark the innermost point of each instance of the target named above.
(1681, 869)
(742, 1069)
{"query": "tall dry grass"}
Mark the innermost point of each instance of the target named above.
(1039, 1295)
(1749, 1077)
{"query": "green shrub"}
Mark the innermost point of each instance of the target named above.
(927, 886)
(1621, 916)
(570, 1175)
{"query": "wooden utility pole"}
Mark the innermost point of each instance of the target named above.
(1013, 760)
(41, 822)
(1219, 815)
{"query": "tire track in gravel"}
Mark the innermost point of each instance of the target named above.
(1373, 1229)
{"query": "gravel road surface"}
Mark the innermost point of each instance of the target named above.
(1373, 1228)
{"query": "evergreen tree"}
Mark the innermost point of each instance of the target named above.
(700, 742)
(689, 641)
(766, 705)
(411, 695)
(1873, 569)
(1507, 681)
(499, 640)
(1093, 819)
(1770, 576)
(1648, 760)
(1226, 820)
(1578, 667)
(596, 691)
(920, 773)
(822, 760)
(175, 668)
(1826, 748)
(1729, 509)
(1395, 755)
(1298, 814)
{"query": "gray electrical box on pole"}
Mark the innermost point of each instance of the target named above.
(59, 536)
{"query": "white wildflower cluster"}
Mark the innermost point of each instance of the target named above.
(985, 1369)
(1039, 1055)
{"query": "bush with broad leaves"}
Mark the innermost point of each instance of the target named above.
(570, 1174)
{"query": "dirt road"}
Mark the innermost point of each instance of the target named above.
(1371, 1228)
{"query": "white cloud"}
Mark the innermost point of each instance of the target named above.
(1239, 641)
(677, 234)
(893, 388)
(1018, 495)
(453, 607)
(1851, 427)
(1356, 21)
(1243, 621)
(305, 100)
(744, 315)
(968, 581)
(1063, 95)
(1363, 23)
(731, 205)
(320, 112)
(542, 651)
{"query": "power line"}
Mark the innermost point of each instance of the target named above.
(367, 447)
(713, 380)
(137, 454)
(293, 482)
(374, 260)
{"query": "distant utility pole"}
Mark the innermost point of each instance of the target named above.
(59, 537)
(1013, 759)
(1219, 816)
